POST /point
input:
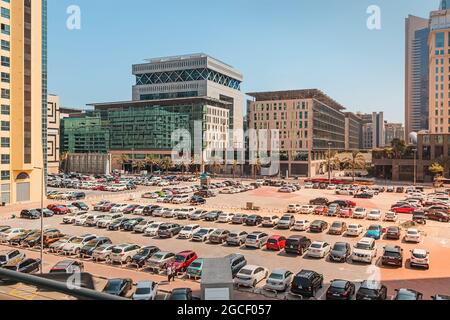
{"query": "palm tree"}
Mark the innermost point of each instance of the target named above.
(436, 169)
(444, 162)
(140, 164)
(151, 161)
(355, 161)
(398, 148)
(166, 164)
(257, 167)
(124, 159)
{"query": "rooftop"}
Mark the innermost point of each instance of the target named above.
(184, 57)
(295, 95)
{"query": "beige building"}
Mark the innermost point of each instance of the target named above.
(394, 131)
(53, 134)
(416, 74)
(23, 87)
(439, 62)
(310, 124)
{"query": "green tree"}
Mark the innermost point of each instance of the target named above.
(398, 148)
(436, 169)
(166, 164)
(354, 162)
(151, 161)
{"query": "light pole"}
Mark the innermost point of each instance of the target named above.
(329, 163)
(415, 167)
(42, 216)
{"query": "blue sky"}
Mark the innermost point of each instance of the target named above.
(284, 44)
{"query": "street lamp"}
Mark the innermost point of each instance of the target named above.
(42, 215)
(329, 162)
(415, 166)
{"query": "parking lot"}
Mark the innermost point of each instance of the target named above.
(270, 202)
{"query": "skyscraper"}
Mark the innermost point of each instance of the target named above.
(439, 90)
(23, 82)
(416, 74)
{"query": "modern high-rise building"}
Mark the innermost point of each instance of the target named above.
(416, 74)
(23, 99)
(439, 61)
(394, 131)
(373, 131)
(53, 134)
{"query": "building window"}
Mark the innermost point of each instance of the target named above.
(5, 142)
(5, 176)
(5, 126)
(6, 93)
(5, 13)
(5, 110)
(5, 45)
(5, 77)
(5, 159)
(6, 61)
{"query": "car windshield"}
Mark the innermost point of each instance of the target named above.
(316, 245)
(202, 231)
(419, 255)
(336, 225)
(143, 290)
(338, 286)
(188, 228)
(363, 246)
(77, 240)
(406, 295)
(91, 243)
(276, 276)
(196, 264)
(373, 228)
(113, 286)
(154, 226)
(180, 258)
(391, 254)
(339, 247)
(246, 271)
(2, 258)
(302, 282)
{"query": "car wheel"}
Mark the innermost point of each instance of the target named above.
(254, 283)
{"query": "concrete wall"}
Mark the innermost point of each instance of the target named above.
(88, 163)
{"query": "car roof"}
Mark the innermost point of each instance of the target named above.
(185, 253)
(144, 284)
(280, 271)
(392, 248)
(420, 251)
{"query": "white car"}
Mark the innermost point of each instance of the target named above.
(106, 220)
(81, 220)
(70, 218)
(413, 235)
(198, 214)
(153, 229)
(308, 185)
(345, 192)
(188, 231)
(374, 214)
(307, 209)
(279, 280)
(228, 191)
(10, 233)
(73, 209)
(203, 234)
(359, 213)
(184, 213)
(170, 213)
(225, 217)
(293, 208)
(124, 253)
(139, 210)
(74, 246)
(142, 226)
(250, 276)
(270, 221)
(118, 208)
(354, 230)
(420, 258)
(181, 198)
(331, 187)
(285, 190)
(301, 225)
(145, 291)
(318, 249)
(365, 250)
(102, 253)
(390, 216)
(159, 212)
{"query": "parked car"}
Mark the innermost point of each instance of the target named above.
(419, 258)
(219, 236)
(118, 287)
(145, 291)
(213, 215)
(182, 294)
(183, 260)
(319, 201)
(390, 216)
(279, 280)
(28, 266)
(392, 255)
(286, 222)
(375, 231)
(371, 290)
(250, 276)
(359, 213)
(141, 257)
(340, 290)
(68, 267)
(203, 234)
(239, 218)
(318, 226)
(256, 239)
(276, 243)
(153, 229)
(365, 250)
(253, 220)
(270, 222)
(413, 235)
(124, 253)
(338, 228)
(103, 252)
(438, 216)
(237, 262)
(169, 230)
(374, 214)
(118, 224)
(30, 214)
(236, 238)
(340, 252)
(306, 283)
(73, 247)
(142, 226)
(11, 257)
(188, 231)
(301, 225)
(318, 249)
(89, 247)
(225, 217)
(160, 260)
(354, 230)
(393, 233)
(130, 224)
(297, 244)
(407, 294)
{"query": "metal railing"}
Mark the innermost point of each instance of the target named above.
(56, 286)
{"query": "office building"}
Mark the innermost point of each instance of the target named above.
(394, 131)
(416, 74)
(353, 131)
(23, 100)
(373, 131)
(309, 124)
(53, 134)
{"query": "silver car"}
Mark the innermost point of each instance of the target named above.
(256, 239)
(145, 290)
(102, 253)
(279, 280)
(236, 238)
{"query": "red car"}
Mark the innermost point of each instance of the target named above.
(108, 207)
(183, 260)
(404, 209)
(346, 213)
(350, 203)
(322, 210)
(100, 188)
(59, 209)
(130, 209)
(276, 243)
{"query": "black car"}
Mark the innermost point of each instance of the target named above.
(118, 287)
(393, 233)
(297, 244)
(30, 214)
(117, 224)
(77, 195)
(181, 294)
(407, 294)
(47, 213)
(340, 203)
(169, 230)
(143, 255)
(319, 202)
(81, 205)
(400, 190)
(90, 246)
(195, 200)
(392, 255)
(148, 210)
(253, 220)
(25, 266)
(340, 252)
(318, 226)
(306, 283)
(340, 290)
(130, 224)
(19, 239)
(371, 290)
(213, 215)
(363, 195)
(237, 262)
